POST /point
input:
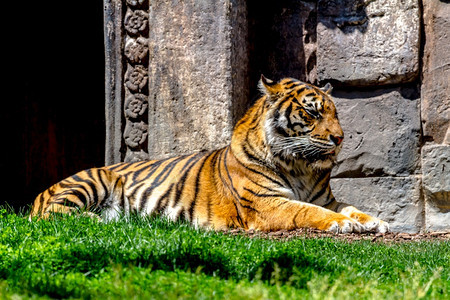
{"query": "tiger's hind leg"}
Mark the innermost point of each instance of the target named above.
(56, 208)
(86, 193)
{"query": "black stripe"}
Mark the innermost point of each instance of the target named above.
(75, 192)
(260, 173)
(215, 166)
(254, 123)
(295, 217)
(122, 198)
(260, 185)
(162, 176)
(238, 216)
(151, 168)
(162, 201)
(330, 200)
(300, 90)
(119, 167)
(280, 130)
(250, 208)
(159, 179)
(71, 188)
(287, 115)
(137, 185)
(225, 165)
(91, 196)
(187, 167)
(64, 202)
(261, 195)
(295, 100)
(246, 200)
(234, 193)
(318, 194)
(247, 148)
(291, 84)
(88, 202)
(322, 177)
(288, 98)
(101, 174)
(91, 182)
(219, 170)
(289, 81)
(286, 181)
(51, 190)
(197, 186)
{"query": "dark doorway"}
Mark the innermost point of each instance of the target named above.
(53, 122)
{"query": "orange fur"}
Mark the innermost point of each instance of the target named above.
(274, 175)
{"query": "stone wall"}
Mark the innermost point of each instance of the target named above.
(435, 114)
(180, 73)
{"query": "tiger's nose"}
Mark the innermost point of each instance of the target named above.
(336, 139)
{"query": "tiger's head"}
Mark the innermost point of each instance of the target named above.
(301, 123)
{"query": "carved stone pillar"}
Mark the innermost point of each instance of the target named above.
(175, 76)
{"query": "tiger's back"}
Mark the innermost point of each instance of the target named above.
(274, 175)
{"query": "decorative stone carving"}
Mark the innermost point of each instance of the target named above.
(136, 105)
(136, 50)
(135, 134)
(136, 78)
(136, 3)
(134, 156)
(136, 22)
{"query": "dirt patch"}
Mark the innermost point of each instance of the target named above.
(314, 233)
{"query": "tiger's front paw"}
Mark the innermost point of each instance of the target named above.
(376, 225)
(371, 224)
(345, 225)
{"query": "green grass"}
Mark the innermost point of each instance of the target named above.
(143, 258)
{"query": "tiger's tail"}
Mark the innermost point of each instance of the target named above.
(91, 190)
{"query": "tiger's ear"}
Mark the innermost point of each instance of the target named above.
(327, 88)
(268, 87)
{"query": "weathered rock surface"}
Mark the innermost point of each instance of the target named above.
(436, 186)
(368, 42)
(447, 137)
(436, 71)
(382, 133)
(198, 55)
(396, 200)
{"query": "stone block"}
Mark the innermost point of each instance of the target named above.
(436, 186)
(436, 71)
(197, 74)
(396, 200)
(447, 137)
(381, 133)
(368, 42)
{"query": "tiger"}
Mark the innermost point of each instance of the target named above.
(274, 175)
